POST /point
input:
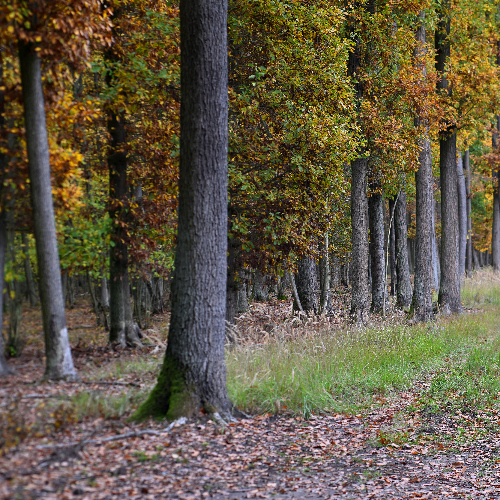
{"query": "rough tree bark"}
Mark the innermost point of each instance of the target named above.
(193, 375)
(306, 281)
(403, 291)
(376, 211)
(462, 217)
(495, 229)
(59, 363)
(449, 290)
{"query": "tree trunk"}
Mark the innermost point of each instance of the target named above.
(436, 267)
(403, 292)
(306, 281)
(376, 211)
(495, 229)
(232, 285)
(422, 294)
(122, 328)
(422, 298)
(392, 247)
(58, 353)
(359, 253)
(30, 283)
(193, 375)
(260, 289)
(462, 217)
(475, 258)
(449, 290)
(324, 276)
(468, 259)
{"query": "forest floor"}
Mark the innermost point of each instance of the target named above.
(434, 439)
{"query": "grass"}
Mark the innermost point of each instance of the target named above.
(343, 370)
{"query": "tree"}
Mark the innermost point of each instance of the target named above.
(307, 285)
(193, 375)
(449, 291)
(376, 211)
(422, 300)
(58, 352)
(359, 184)
(403, 291)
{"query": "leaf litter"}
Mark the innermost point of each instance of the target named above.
(400, 448)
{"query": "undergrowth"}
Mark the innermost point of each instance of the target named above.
(343, 370)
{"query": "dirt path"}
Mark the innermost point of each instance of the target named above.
(391, 452)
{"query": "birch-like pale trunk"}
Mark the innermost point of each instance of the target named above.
(59, 363)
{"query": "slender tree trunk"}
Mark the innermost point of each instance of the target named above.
(449, 290)
(422, 295)
(58, 352)
(359, 253)
(30, 283)
(392, 247)
(306, 281)
(403, 293)
(462, 217)
(193, 375)
(232, 285)
(436, 267)
(468, 260)
(495, 230)
(324, 276)
(376, 211)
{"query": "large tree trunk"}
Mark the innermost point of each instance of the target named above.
(306, 281)
(359, 253)
(403, 292)
(469, 252)
(495, 229)
(376, 211)
(193, 375)
(58, 353)
(449, 290)
(462, 217)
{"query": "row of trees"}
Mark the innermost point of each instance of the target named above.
(333, 110)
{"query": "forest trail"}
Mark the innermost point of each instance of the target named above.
(391, 451)
(417, 443)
